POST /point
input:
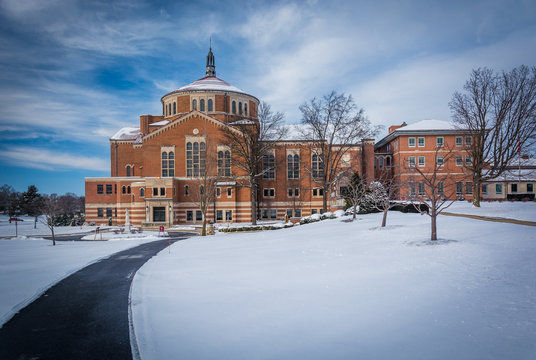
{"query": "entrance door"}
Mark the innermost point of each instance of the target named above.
(159, 214)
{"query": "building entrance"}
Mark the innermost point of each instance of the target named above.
(159, 214)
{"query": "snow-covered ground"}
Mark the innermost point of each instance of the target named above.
(507, 209)
(343, 290)
(26, 228)
(29, 266)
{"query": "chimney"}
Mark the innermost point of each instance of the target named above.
(395, 127)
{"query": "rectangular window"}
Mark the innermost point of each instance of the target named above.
(469, 187)
(440, 187)
(513, 188)
(273, 213)
(289, 213)
(440, 160)
(484, 189)
(198, 215)
(155, 191)
(228, 215)
(420, 141)
(293, 192)
(108, 189)
(189, 215)
(229, 192)
(268, 192)
(218, 192)
(421, 160)
(411, 161)
(412, 191)
(224, 163)
(468, 141)
(421, 188)
(219, 215)
(162, 191)
(297, 213)
(459, 161)
(440, 141)
(108, 212)
(313, 211)
(459, 188)
(498, 188)
(411, 142)
(468, 161)
(100, 212)
(459, 141)
(196, 155)
(268, 166)
(265, 213)
(530, 187)
(318, 192)
(100, 189)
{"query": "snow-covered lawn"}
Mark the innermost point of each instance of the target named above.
(29, 266)
(508, 209)
(26, 228)
(336, 290)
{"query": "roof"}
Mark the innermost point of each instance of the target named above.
(209, 83)
(421, 127)
(127, 133)
(160, 123)
(515, 175)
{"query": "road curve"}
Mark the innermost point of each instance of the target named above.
(84, 316)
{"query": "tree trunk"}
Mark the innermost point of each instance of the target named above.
(35, 222)
(325, 199)
(355, 211)
(204, 228)
(53, 237)
(476, 193)
(434, 226)
(253, 203)
(384, 220)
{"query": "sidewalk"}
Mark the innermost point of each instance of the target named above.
(493, 219)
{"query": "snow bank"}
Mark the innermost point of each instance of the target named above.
(507, 209)
(334, 290)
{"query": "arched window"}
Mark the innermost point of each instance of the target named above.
(240, 108)
(224, 163)
(168, 164)
(210, 105)
(202, 105)
(318, 166)
(186, 190)
(234, 107)
(124, 190)
(268, 166)
(293, 166)
(169, 111)
(381, 162)
(142, 192)
(128, 189)
(128, 170)
(195, 159)
(246, 109)
(201, 189)
(388, 161)
(174, 108)
(194, 105)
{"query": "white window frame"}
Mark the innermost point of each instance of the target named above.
(414, 142)
(419, 141)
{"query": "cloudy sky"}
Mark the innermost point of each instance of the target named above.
(73, 72)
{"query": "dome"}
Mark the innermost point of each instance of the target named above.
(210, 83)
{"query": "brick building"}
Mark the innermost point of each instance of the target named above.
(155, 168)
(421, 145)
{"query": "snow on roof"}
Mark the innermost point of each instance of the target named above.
(515, 175)
(160, 123)
(242, 122)
(126, 133)
(210, 83)
(428, 125)
(225, 183)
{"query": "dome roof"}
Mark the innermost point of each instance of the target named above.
(209, 83)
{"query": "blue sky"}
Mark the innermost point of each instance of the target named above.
(74, 72)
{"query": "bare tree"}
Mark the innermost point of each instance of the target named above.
(334, 124)
(249, 144)
(50, 210)
(435, 186)
(355, 190)
(499, 113)
(205, 189)
(383, 192)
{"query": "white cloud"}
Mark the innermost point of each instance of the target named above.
(44, 159)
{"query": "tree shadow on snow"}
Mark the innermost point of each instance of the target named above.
(429, 242)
